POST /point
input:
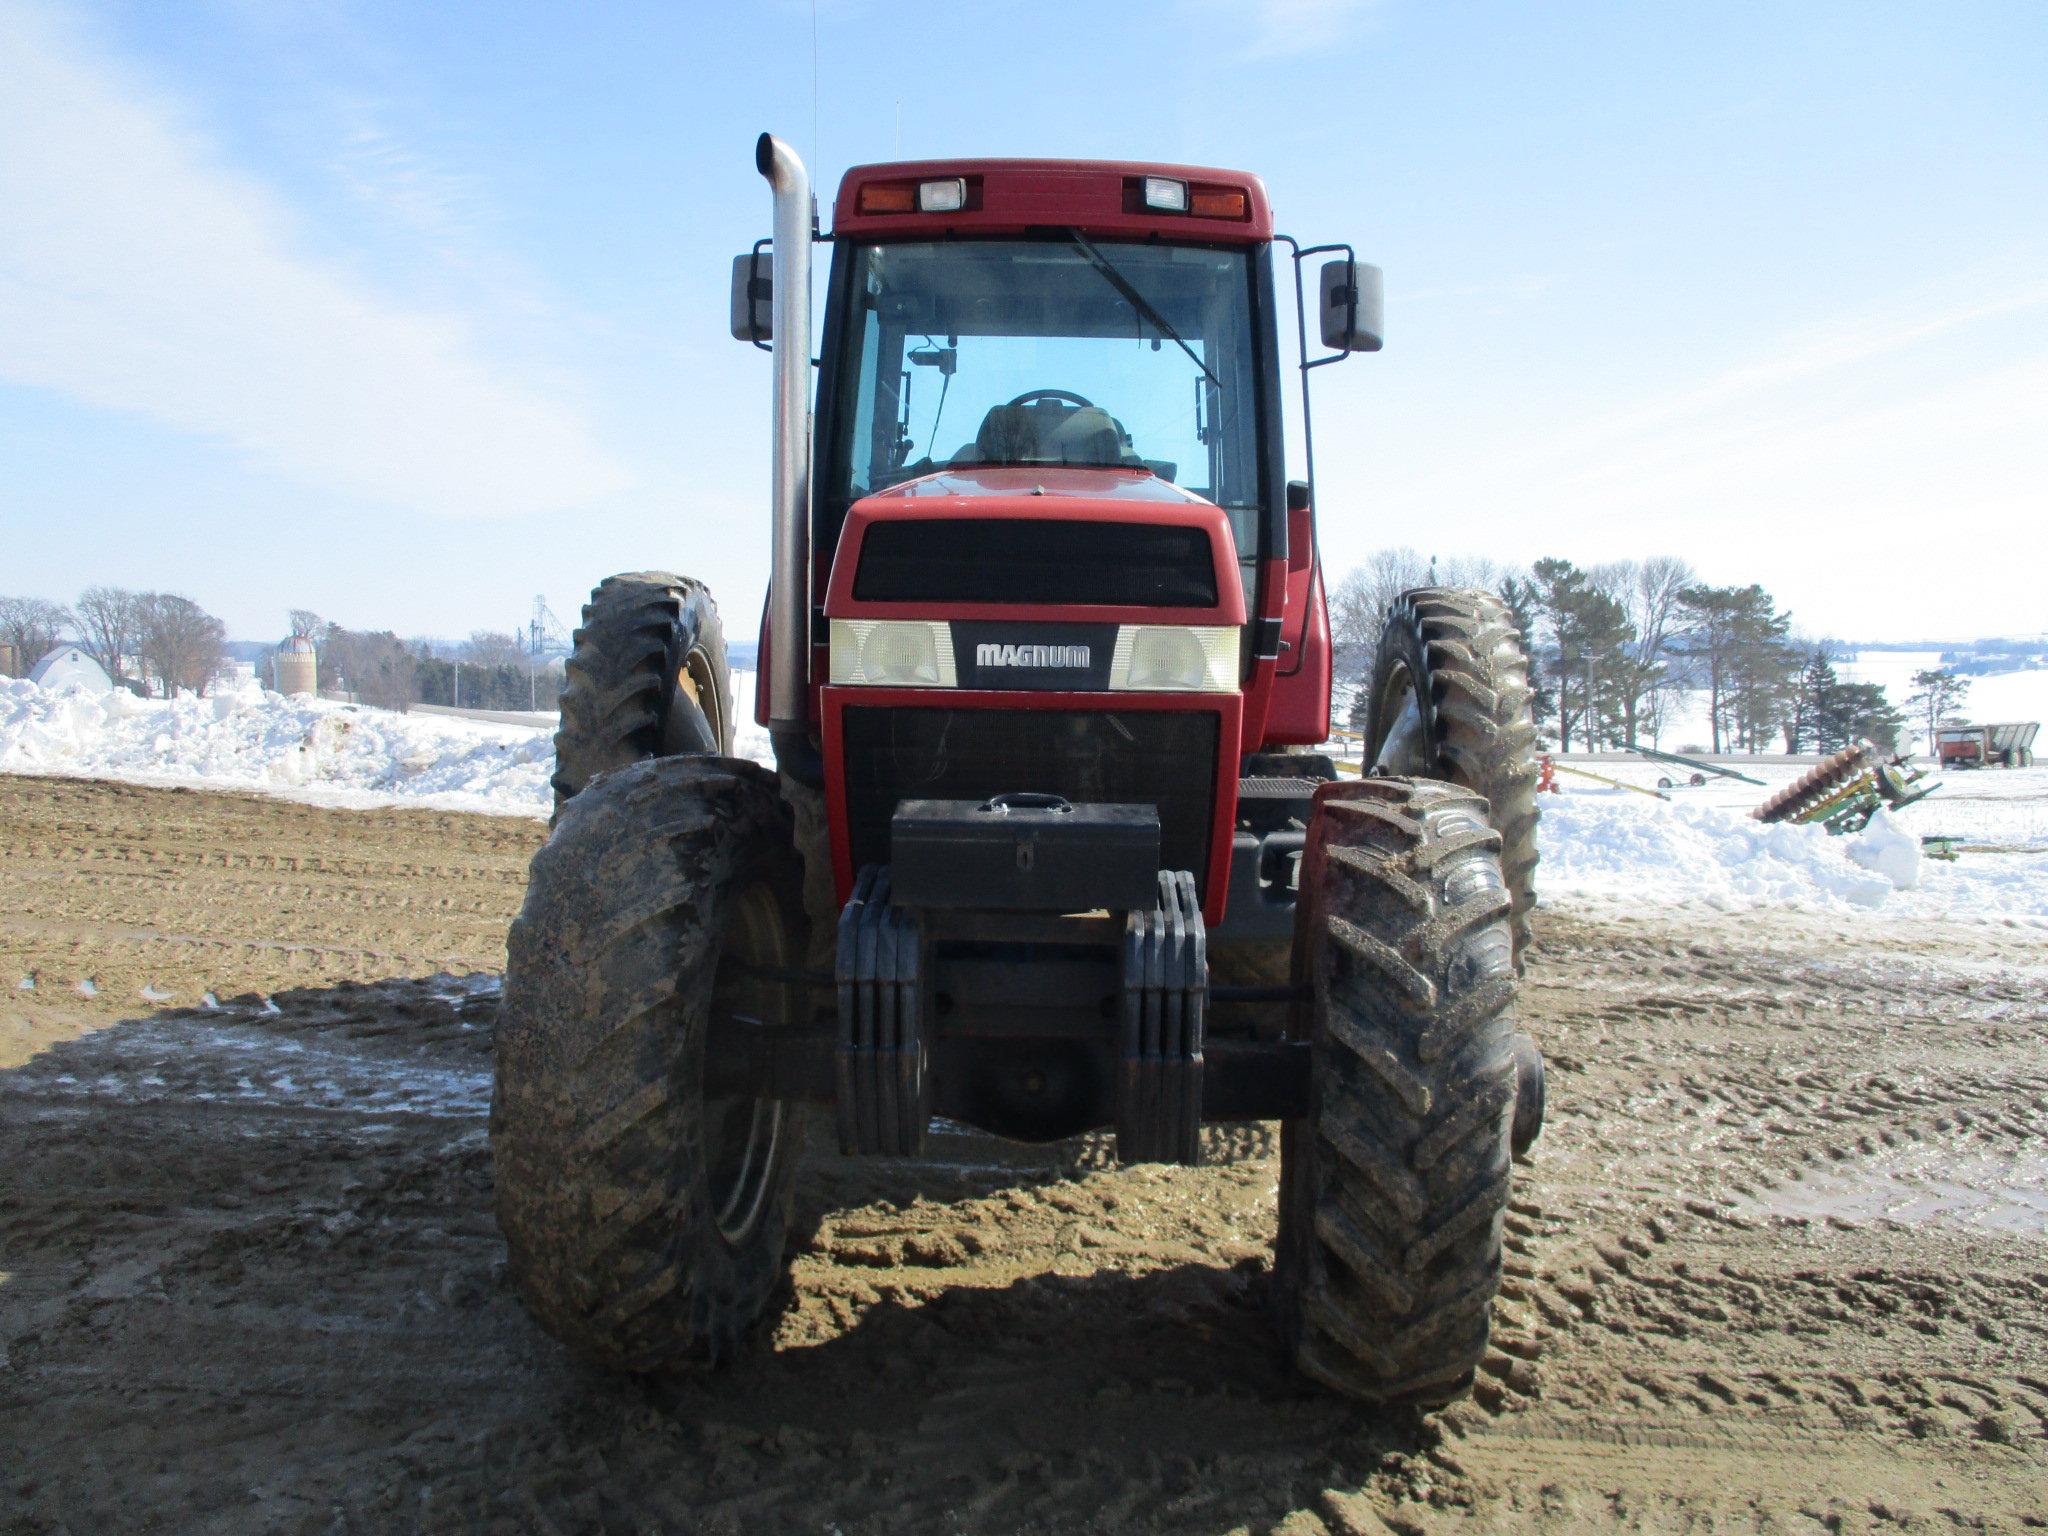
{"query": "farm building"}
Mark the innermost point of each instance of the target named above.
(295, 666)
(71, 666)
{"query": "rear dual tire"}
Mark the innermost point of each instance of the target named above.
(1451, 700)
(647, 678)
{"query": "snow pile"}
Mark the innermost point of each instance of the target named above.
(1888, 849)
(246, 738)
(1610, 850)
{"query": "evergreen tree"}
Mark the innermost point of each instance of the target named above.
(1859, 712)
(1938, 693)
(1739, 645)
(1817, 683)
(1521, 599)
(1590, 632)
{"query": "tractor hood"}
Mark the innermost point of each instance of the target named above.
(1045, 542)
(1123, 486)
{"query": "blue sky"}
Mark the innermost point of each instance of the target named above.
(407, 313)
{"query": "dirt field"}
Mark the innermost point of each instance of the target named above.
(1779, 1263)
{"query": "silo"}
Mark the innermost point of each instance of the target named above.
(296, 666)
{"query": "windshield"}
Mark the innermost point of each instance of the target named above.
(1060, 351)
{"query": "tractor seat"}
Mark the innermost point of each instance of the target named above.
(1089, 435)
(1049, 433)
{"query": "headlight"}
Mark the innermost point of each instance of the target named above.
(892, 653)
(1175, 658)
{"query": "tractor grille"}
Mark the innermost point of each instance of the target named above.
(1023, 560)
(1164, 759)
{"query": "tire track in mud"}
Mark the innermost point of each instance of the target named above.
(115, 898)
(1696, 1350)
(253, 1281)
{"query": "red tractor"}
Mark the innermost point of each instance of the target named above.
(1047, 850)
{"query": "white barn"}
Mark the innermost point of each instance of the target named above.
(71, 666)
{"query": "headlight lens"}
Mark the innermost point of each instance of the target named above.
(1175, 658)
(1149, 658)
(892, 653)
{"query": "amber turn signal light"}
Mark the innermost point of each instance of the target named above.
(1216, 203)
(886, 198)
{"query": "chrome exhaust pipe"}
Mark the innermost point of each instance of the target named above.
(789, 581)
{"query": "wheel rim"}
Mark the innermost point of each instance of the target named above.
(1403, 746)
(696, 681)
(743, 1135)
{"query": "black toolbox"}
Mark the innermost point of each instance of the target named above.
(1024, 853)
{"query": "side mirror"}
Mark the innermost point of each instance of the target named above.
(1352, 298)
(753, 298)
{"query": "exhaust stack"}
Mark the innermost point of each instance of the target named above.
(789, 582)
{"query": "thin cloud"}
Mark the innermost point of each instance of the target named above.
(1833, 464)
(1816, 353)
(384, 172)
(1526, 287)
(1277, 29)
(140, 274)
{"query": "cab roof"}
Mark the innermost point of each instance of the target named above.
(1007, 197)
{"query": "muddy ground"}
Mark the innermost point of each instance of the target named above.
(1778, 1264)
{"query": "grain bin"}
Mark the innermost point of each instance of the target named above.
(296, 666)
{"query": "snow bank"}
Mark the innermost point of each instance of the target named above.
(1607, 847)
(1888, 849)
(1611, 850)
(246, 738)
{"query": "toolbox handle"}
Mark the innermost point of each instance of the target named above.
(1026, 800)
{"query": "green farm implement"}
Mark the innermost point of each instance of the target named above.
(1846, 790)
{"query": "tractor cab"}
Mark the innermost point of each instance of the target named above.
(1052, 546)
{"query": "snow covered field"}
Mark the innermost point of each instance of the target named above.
(1602, 848)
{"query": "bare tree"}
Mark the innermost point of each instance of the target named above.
(374, 666)
(1468, 571)
(1647, 591)
(32, 626)
(1359, 603)
(494, 648)
(180, 642)
(307, 625)
(109, 620)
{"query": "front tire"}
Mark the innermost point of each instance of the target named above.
(1451, 701)
(646, 1219)
(1394, 1188)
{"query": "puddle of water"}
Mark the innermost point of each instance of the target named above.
(2005, 1193)
(191, 1062)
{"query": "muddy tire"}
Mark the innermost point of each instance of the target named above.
(1393, 1189)
(647, 678)
(1451, 701)
(646, 1220)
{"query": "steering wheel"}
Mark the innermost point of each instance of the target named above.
(1031, 395)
